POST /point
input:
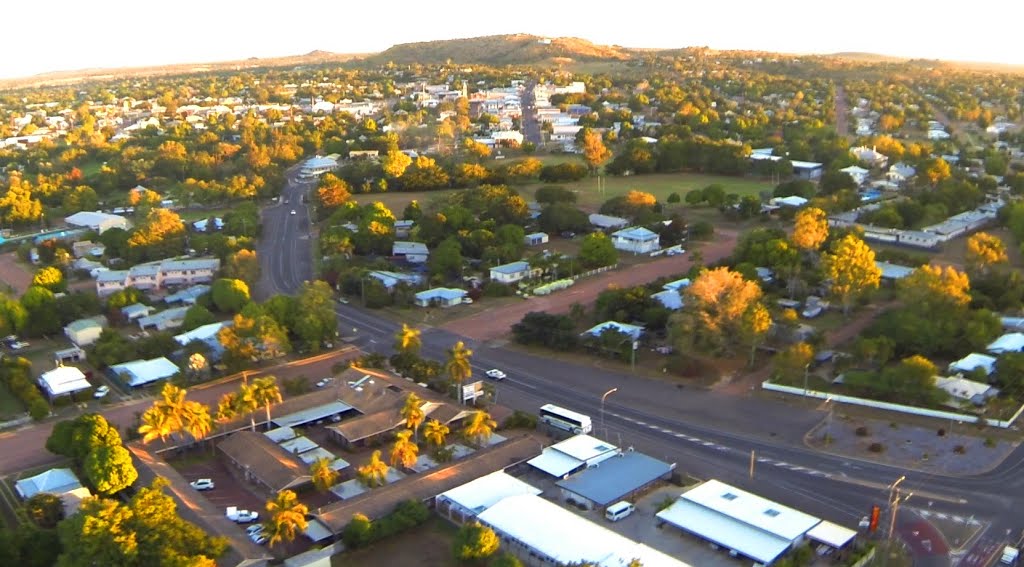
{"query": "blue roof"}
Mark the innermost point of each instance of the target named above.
(441, 293)
(669, 298)
(616, 477)
(677, 285)
(512, 268)
(636, 233)
(633, 331)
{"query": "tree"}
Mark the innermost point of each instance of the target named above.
(13, 315)
(324, 476)
(404, 451)
(332, 192)
(287, 518)
(228, 295)
(266, 393)
(395, 163)
(412, 412)
(793, 361)
(475, 542)
(109, 469)
(172, 414)
(196, 317)
(479, 428)
(459, 365)
(757, 321)
(714, 308)
(810, 229)
(936, 170)
(934, 290)
(101, 533)
(597, 251)
(243, 265)
(41, 311)
(250, 339)
(315, 321)
(50, 278)
(562, 217)
(551, 194)
(851, 268)
(160, 234)
(594, 151)
(375, 472)
(446, 259)
(407, 340)
(506, 560)
(985, 251)
(45, 510)
(435, 433)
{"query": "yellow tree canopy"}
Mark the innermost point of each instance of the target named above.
(852, 270)
(810, 229)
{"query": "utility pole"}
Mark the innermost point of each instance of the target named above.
(894, 507)
(603, 397)
(751, 464)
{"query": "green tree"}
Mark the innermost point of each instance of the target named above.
(597, 251)
(475, 542)
(287, 518)
(315, 321)
(435, 433)
(228, 295)
(50, 278)
(446, 259)
(101, 533)
(757, 321)
(373, 473)
(243, 265)
(793, 362)
(251, 339)
(41, 311)
(13, 315)
(109, 469)
(324, 476)
(479, 428)
(45, 510)
(852, 270)
(404, 451)
(196, 317)
(266, 393)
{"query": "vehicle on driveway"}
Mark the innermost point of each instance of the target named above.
(241, 516)
(495, 374)
(101, 392)
(201, 484)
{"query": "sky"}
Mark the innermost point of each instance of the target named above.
(72, 34)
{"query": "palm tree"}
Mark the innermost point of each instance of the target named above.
(247, 402)
(324, 477)
(266, 393)
(480, 427)
(287, 518)
(156, 424)
(374, 472)
(459, 366)
(435, 432)
(196, 420)
(412, 412)
(407, 340)
(404, 451)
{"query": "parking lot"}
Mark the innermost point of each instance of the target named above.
(229, 490)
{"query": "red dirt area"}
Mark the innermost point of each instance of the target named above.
(494, 323)
(14, 273)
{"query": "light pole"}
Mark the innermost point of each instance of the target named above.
(807, 368)
(894, 506)
(603, 397)
(828, 422)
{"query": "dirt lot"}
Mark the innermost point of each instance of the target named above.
(494, 323)
(429, 544)
(14, 274)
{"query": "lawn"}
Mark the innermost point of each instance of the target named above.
(429, 544)
(91, 168)
(10, 407)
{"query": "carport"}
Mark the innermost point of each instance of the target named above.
(312, 414)
(832, 535)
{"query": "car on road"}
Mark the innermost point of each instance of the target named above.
(101, 392)
(293, 211)
(495, 374)
(343, 300)
(324, 382)
(202, 483)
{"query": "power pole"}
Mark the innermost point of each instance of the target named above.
(751, 464)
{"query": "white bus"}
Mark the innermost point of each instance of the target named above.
(565, 419)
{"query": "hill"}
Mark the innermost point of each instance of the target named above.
(516, 49)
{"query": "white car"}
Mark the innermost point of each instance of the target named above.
(203, 484)
(101, 392)
(324, 382)
(293, 211)
(495, 374)
(241, 516)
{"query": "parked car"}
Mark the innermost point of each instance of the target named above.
(241, 516)
(101, 392)
(467, 300)
(259, 538)
(201, 484)
(495, 374)
(324, 382)
(254, 529)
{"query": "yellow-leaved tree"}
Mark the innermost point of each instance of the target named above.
(851, 269)
(984, 251)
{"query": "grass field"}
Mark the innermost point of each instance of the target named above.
(91, 168)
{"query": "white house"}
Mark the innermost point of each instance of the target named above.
(637, 240)
(84, 332)
(974, 361)
(1010, 342)
(962, 390)
(440, 296)
(633, 331)
(512, 272)
(100, 222)
(900, 173)
(63, 380)
(869, 156)
(857, 173)
(318, 165)
(141, 372)
(412, 252)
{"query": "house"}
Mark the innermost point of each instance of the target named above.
(61, 483)
(962, 390)
(68, 356)
(135, 311)
(974, 361)
(1010, 342)
(318, 165)
(869, 156)
(84, 332)
(403, 228)
(544, 533)
(620, 478)
(857, 173)
(607, 222)
(203, 225)
(206, 334)
(440, 297)
(633, 331)
(84, 248)
(63, 380)
(513, 272)
(793, 201)
(747, 525)
(573, 455)
(261, 461)
(392, 279)
(669, 299)
(535, 238)
(900, 173)
(808, 170)
(893, 272)
(187, 296)
(167, 319)
(412, 252)
(156, 275)
(142, 372)
(637, 240)
(100, 222)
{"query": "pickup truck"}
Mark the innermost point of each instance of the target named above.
(241, 516)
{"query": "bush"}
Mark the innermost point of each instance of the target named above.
(941, 432)
(496, 289)
(520, 419)
(562, 172)
(876, 447)
(371, 360)
(862, 431)
(990, 442)
(701, 230)
(295, 386)
(959, 449)
(673, 198)
(361, 532)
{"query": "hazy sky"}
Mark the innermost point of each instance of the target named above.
(73, 34)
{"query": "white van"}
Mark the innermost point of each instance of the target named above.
(619, 510)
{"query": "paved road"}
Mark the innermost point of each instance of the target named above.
(711, 433)
(531, 128)
(285, 247)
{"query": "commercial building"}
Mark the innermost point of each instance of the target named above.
(263, 462)
(615, 479)
(100, 222)
(318, 165)
(157, 275)
(464, 502)
(573, 455)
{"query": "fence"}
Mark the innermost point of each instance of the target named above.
(595, 271)
(891, 406)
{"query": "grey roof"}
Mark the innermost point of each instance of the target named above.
(145, 270)
(89, 323)
(196, 264)
(112, 276)
(311, 414)
(616, 477)
(512, 268)
(405, 247)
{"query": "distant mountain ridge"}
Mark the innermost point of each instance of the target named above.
(514, 49)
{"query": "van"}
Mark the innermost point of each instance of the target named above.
(618, 511)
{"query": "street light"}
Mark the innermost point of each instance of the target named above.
(807, 368)
(828, 422)
(603, 397)
(894, 506)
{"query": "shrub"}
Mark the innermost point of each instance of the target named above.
(361, 532)
(941, 432)
(876, 447)
(862, 431)
(990, 442)
(959, 449)
(496, 289)
(520, 419)
(673, 198)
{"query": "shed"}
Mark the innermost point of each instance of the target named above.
(535, 238)
(832, 535)
(84, 332)
(614, 479)
(135, 311)
(94, 220)
(974, 360)
(63, 380)
(607, 222)
(141, 372)
(893, 272)
(1010, 342)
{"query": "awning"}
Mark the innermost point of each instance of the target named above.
(831, 534)
(555, 463)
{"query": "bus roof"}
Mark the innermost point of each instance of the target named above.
(567, 413)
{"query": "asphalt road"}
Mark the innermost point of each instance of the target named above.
(531, 128)
(285, 250)
(711, 434)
